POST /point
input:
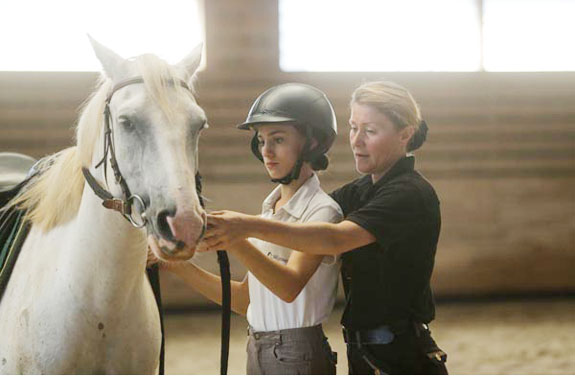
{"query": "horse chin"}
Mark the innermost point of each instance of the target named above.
(166, 250)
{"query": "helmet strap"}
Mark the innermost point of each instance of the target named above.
(292, 175)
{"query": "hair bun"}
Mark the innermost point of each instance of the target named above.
(418, 137)
(320, 163)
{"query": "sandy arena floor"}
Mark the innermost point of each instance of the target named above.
(535, 337)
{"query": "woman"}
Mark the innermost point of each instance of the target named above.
(387, 239)
(286, 294)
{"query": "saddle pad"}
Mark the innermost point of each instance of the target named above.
(13, 232)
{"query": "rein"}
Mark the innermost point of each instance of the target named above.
(124, 206)
(224, 263)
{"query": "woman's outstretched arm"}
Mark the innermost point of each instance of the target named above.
(320, 238)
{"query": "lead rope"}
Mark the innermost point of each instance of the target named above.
(224, 263)
(154, 277)
(226, 310)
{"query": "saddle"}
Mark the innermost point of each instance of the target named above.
(15, 172)
(14, 169)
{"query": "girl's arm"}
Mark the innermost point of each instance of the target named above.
(209, 285)
(284, 280)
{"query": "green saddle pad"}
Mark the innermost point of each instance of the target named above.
(13, 232)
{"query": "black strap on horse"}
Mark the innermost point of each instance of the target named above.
(154, 277)
(225, 277)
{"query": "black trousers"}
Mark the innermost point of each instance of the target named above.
(407, 354)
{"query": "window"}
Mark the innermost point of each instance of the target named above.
(38, 35)
(529, 35)
(423, 35)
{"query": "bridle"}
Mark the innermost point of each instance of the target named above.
(122, 205)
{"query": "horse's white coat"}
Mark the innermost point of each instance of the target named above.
(78, 300)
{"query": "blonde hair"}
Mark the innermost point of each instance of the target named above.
(395, 102)
(54, 197)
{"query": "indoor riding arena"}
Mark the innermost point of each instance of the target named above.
(495, 82)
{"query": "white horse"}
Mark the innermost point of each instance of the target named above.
(79, 300)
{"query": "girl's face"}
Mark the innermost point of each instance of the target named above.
(375, 141)
(280, 146)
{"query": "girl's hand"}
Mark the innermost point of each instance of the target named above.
(224, 229)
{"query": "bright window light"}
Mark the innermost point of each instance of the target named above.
(377, 35)
(37, 35)
(529, 35)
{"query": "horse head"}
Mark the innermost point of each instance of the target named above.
(155, 125)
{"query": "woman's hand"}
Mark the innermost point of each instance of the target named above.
(224, 229)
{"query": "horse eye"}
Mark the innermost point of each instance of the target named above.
(126, 123)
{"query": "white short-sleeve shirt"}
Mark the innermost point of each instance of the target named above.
(266, 311)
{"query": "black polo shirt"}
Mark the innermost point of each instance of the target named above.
(388, 281)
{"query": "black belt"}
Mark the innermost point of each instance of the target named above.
(383, 334)
(378, 336)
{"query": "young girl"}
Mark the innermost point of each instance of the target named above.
(286, 294)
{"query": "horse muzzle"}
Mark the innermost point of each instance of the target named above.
(180, 233)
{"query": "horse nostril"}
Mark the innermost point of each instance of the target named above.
(163, 226)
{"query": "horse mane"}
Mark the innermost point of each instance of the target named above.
(160, 79)
(54, 197)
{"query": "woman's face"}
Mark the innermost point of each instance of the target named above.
(375, 141)
(280, 146)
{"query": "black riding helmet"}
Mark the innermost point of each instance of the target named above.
(303, 106)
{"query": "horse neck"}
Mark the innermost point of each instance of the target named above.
(107, 255)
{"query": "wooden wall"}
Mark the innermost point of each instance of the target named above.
(500, 152)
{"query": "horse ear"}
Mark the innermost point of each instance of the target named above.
(189, 64)
(112, 63)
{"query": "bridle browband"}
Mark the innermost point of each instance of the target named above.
(122, 205)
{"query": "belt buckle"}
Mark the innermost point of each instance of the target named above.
(381, 335)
